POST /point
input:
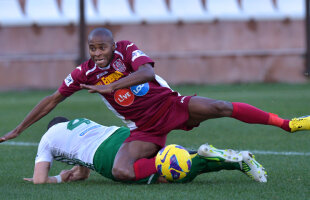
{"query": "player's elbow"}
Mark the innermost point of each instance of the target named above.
(147, 72)
(56, 98)
(150, 76)
(50, 102)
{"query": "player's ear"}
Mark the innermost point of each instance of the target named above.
(113, 46)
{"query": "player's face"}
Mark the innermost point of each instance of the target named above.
(101, 50)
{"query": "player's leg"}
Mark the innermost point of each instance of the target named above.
(210, 159)
(201, 108)
(201, 165)
(128, 154)
(105, 155)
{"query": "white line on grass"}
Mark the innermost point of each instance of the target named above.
(10, 143)
(281, 153)
(19, 143)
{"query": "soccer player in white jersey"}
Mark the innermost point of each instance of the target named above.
(91, 146)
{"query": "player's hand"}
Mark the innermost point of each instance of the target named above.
(28, 179)
(9, 136)
(66, 175)
(162, 180)
(102, 89)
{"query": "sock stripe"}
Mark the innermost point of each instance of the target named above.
(275, 120)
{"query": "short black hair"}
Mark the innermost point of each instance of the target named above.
(101, 32)
(56, 120)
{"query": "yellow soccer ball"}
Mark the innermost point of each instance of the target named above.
(173, 162)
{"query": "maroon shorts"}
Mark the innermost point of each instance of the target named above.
(173, 115)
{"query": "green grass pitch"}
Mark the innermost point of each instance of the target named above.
(288, 175)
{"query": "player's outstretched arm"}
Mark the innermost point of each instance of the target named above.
(144, 74)
(40, 110)
(40, 174)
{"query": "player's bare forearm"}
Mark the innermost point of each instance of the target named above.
(77, 173)
(41, 169)
(39, 111)
(48, 180)
(144, 74)
(62, 177)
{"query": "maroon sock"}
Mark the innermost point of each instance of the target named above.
(286, 125)
(252, 115)
(144, 168)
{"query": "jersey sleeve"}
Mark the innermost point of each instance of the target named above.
(44, 153)
(135, 56)
(72, 82)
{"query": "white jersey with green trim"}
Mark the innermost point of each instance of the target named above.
(73, 142)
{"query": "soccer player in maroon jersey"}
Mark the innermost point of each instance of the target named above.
(125, 78)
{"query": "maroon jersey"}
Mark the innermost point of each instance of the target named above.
(135, 105)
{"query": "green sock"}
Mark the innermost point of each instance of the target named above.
(201, 165)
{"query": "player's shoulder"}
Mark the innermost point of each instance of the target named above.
(84, 68)
(55, 128)
(87, 65)
(54, 132)
(124, 48)
(46, 138)
(124, 44)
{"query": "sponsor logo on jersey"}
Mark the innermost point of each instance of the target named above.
(89, 129)
(124, 97)
(136, 54)
(118, 65)
(140, 90)
(69, 80)
(101, 74)
(110, 78)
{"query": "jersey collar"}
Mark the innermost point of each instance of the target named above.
(103, 68)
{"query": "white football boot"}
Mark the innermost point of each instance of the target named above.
(211, 153)
(252, 168)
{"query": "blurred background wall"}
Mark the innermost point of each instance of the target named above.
(191, 41)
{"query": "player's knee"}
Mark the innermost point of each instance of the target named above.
(222, 108)
(122, 173)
